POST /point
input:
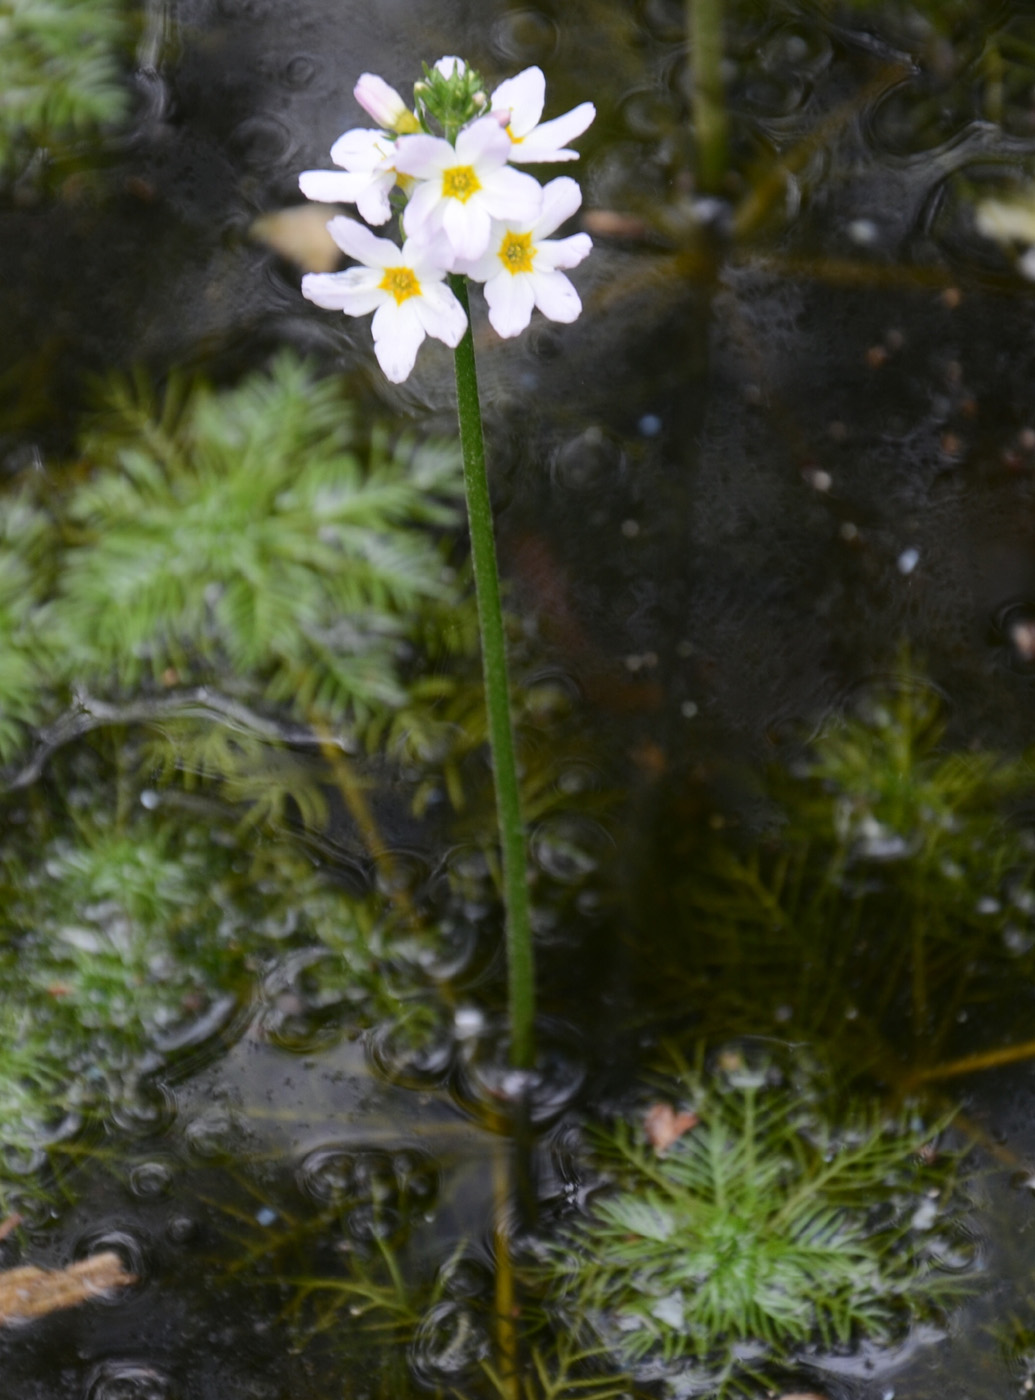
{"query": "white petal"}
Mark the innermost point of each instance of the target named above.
(361, 149)
(424, 203)
(563, 252)
(523, 97)
(441, 314)
(373, 202)
(398, 334)
(555, 297)
(332, 186)
(467, 226)
(352, 238)
(561, 197)
(481, 269)
(510, 298)
(431, 258)
(355, 292)
(450, 66)
(512, 196)
(483, 144)
(547, 141)
(423, 156)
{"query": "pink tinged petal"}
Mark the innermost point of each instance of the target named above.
(398, 334)
(510, 298)
(379, 100)
(467, 226)
(523, 97)
(546, 142)
(512, 197)
(361, 149)
(355, 292)
(423, 156)
(555, 297)
(332, 186)
(484, 144)
(423, 203)
(352, 238)
(441, 314)
(564, 252)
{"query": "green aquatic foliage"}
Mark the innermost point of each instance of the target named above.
(759, 1233)
(61, 71)
(23, 656)
(891, 897)
(248, 532)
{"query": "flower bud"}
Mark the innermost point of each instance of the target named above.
(384, 104)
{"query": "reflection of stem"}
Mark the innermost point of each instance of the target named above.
(361, 813)
(704, 30)
(520, 968)
(971, 1064)
(506, 1307)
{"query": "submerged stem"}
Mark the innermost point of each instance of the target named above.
(704, 30)
(520, 965)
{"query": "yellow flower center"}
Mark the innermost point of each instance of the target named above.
(460, 182)
(401, 283)
(516, 252)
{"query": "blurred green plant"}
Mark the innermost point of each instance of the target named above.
(756, 1234)
(891, 897)
(61, 72)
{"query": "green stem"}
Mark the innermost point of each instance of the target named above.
(704, 30)
(520, 964)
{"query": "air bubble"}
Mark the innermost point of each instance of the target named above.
(488, 1084)
(525, 36)
(450, 1342)
(130, 1380)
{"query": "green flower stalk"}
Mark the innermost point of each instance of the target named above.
(468, 214)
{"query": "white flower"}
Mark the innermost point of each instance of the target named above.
(403, 287)
(519, 102)
(520, 267)
(384, 104)
(369, 158)
(465, 187)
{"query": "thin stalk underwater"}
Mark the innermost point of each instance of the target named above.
(520, 960)
(704, 30)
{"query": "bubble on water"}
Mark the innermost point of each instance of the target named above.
(130, 1380)
(525, 36)
(569, 847)
(216, 1133)
(488, 1084)
(449, 1342)
(299, 72)
(101, 1239)
(589, 463)
(262, 143)
(192, 1033)
(416, 1050)
(308, 995)
(149, 1180)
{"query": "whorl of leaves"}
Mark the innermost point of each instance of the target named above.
(756, 1233)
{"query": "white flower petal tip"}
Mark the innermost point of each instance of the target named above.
(450, 66)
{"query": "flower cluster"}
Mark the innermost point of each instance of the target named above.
(464, 209)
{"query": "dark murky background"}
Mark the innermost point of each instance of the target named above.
(786, 456)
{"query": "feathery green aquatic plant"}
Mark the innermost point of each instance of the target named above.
(890, 898)
(246, 533)
(24, 570)
(61, 71)
(757, 1236)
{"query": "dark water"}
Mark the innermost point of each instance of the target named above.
(765, 514)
